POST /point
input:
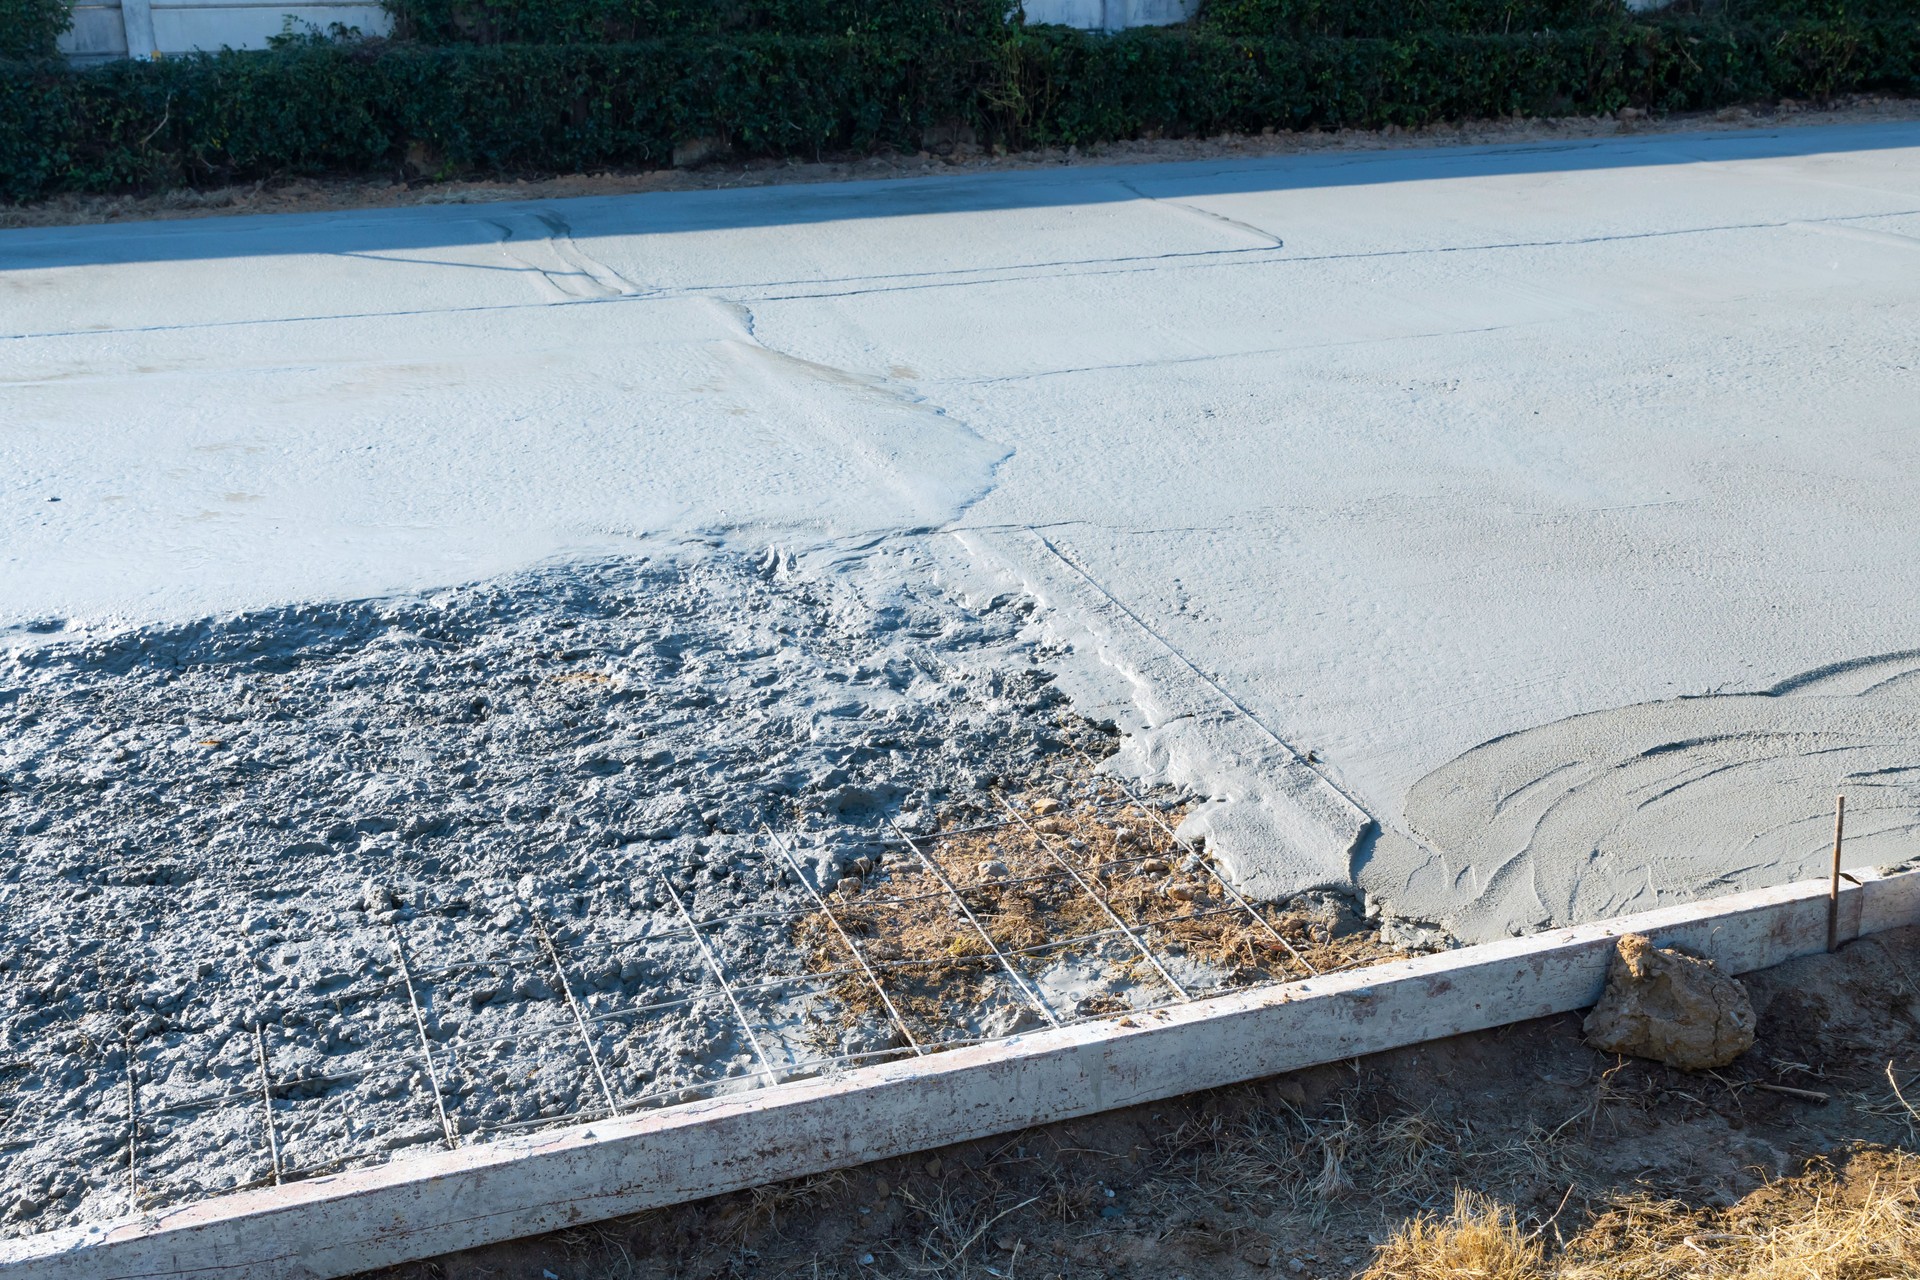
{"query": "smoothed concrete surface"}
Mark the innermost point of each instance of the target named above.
(1403, 452)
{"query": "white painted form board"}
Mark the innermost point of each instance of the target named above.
(433, 1204)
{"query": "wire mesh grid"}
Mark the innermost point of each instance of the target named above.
(1053, 914)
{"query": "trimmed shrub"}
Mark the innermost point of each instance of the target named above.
(360, 107)
(29, 28)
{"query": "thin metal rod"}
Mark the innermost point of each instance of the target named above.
(1033, 997)
(1091, 892)
(426, 1044)
(873, 979)
(266, 1099)
(133, 1134)
(1238, 899)
(1833, 885)
(573, 1006)
(713, 963)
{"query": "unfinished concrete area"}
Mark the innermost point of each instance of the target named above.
(435, 638)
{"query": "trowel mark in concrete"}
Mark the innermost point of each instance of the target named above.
(1596, 815)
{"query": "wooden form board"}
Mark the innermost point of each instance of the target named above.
(432, 1204)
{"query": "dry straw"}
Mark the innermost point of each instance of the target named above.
(1857, 1222)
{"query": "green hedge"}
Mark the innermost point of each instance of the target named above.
(320, 107)
(1391, 19)
(615, 21)
(29, 28)
(1397, 19)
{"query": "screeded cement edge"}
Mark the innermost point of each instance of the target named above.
(433, 1204)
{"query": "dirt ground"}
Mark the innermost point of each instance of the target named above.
(1307, 1174)
(323, 194)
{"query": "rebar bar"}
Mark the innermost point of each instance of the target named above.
(873, 979)
(1239, 899)
(1091, 892)
(426, 1042)
(720, 976)
(266, 1099)
(573, 1006)
(133, 1133)
(1032, 996)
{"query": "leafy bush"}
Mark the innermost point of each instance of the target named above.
(315, 107)
(1397, 19)
(29, 28)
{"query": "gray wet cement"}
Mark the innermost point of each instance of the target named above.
(1680, 796)
(239, 838)
(1420, 499)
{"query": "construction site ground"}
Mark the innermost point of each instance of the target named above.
(1654, 1172)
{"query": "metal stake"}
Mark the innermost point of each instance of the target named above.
(1033, 997)
(560, 972)
(426, 1045)
(1091, 892)
(1833, 885)
(713, 963)
(873, 979)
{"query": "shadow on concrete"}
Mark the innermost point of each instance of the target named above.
(425, 227)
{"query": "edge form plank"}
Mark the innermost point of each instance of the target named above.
(437, 1203)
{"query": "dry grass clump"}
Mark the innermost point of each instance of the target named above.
(1859, 1223)
(1045, 886)
(1479, 1240)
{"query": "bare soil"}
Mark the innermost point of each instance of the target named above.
(1308, 1174)
(405, 187)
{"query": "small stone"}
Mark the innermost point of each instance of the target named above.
(1045, 807)
(1296, 1266)
(1154, 867)
(993, 869)
(848, 887)
(1181, 891)
(1669, 1007)
(935, 1166)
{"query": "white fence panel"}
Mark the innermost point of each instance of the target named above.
(101, 27)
